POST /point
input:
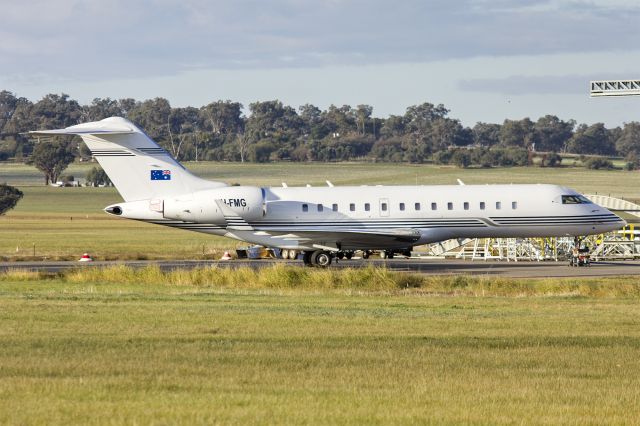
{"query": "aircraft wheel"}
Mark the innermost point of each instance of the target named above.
(365, 254)
(307, 258)
(340, 255)
(284, 254)
(349, 255)
(321, 258)
(293, 254)
(386, 254)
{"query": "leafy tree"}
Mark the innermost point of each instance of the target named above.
(598, 163)
(52, 158)
(461, 158)
(55, 112)
(341, 121)
(517, 133)
(394, 126)
(97, 177)
(272, 119)
(419, 121)
(313, 125)
(442, 157)
(222, 117)
(8, 105)
(9, 197)
(594, 139)
(363, 116)
(153, 115)
(388, 150)
(260, 152)
(102, 108)
(629, 140)
(181, 124)
(446, 132)
(486, 134)
(17, 121)
(552, 133)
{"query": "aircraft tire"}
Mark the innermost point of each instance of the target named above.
(306, 258)
(284, 254)
(293, 254)
(321, 258)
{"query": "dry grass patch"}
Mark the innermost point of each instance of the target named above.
(370, 279)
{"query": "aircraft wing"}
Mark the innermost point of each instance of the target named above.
(344, 238)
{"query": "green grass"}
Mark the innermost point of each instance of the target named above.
(87, 349)
(63, 223)
(615, 182)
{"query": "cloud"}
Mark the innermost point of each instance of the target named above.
(93, 40)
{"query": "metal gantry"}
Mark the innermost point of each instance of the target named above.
(615, 88)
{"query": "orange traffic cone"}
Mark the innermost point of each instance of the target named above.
(226, 256)
(86, 258)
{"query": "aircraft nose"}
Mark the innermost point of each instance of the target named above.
(613, 223)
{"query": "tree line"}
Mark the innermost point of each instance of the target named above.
(271, 131)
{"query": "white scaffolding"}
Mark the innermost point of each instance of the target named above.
(615, 88)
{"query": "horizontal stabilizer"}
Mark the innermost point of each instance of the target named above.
(107, 126)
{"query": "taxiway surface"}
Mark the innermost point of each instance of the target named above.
(424, 266)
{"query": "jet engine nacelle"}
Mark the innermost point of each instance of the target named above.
(201, 206)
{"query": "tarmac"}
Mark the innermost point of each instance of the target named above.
(521, 269)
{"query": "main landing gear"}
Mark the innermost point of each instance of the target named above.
(320, 258)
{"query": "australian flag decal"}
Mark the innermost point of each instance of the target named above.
(160, 174)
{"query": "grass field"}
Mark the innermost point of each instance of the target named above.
(120, 347)
(65, 222)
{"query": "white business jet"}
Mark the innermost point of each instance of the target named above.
(324, 222)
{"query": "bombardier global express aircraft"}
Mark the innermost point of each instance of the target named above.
(325, 222)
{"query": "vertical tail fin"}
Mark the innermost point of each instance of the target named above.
(137, 166)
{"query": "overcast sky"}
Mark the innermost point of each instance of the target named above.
(486, 60)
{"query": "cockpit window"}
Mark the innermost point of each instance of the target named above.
(575, 199)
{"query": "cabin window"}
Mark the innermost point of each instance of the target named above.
(498, 205)
(401, 206)
(514, 205)
(434, 206)
(481, 205)
(575, 199)
(335, 207)
(320, 207)
(383, 207)
(417, 206)
(367, 207)
(450, 206)
(466, 205)
(305, 208)
(352, 207)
